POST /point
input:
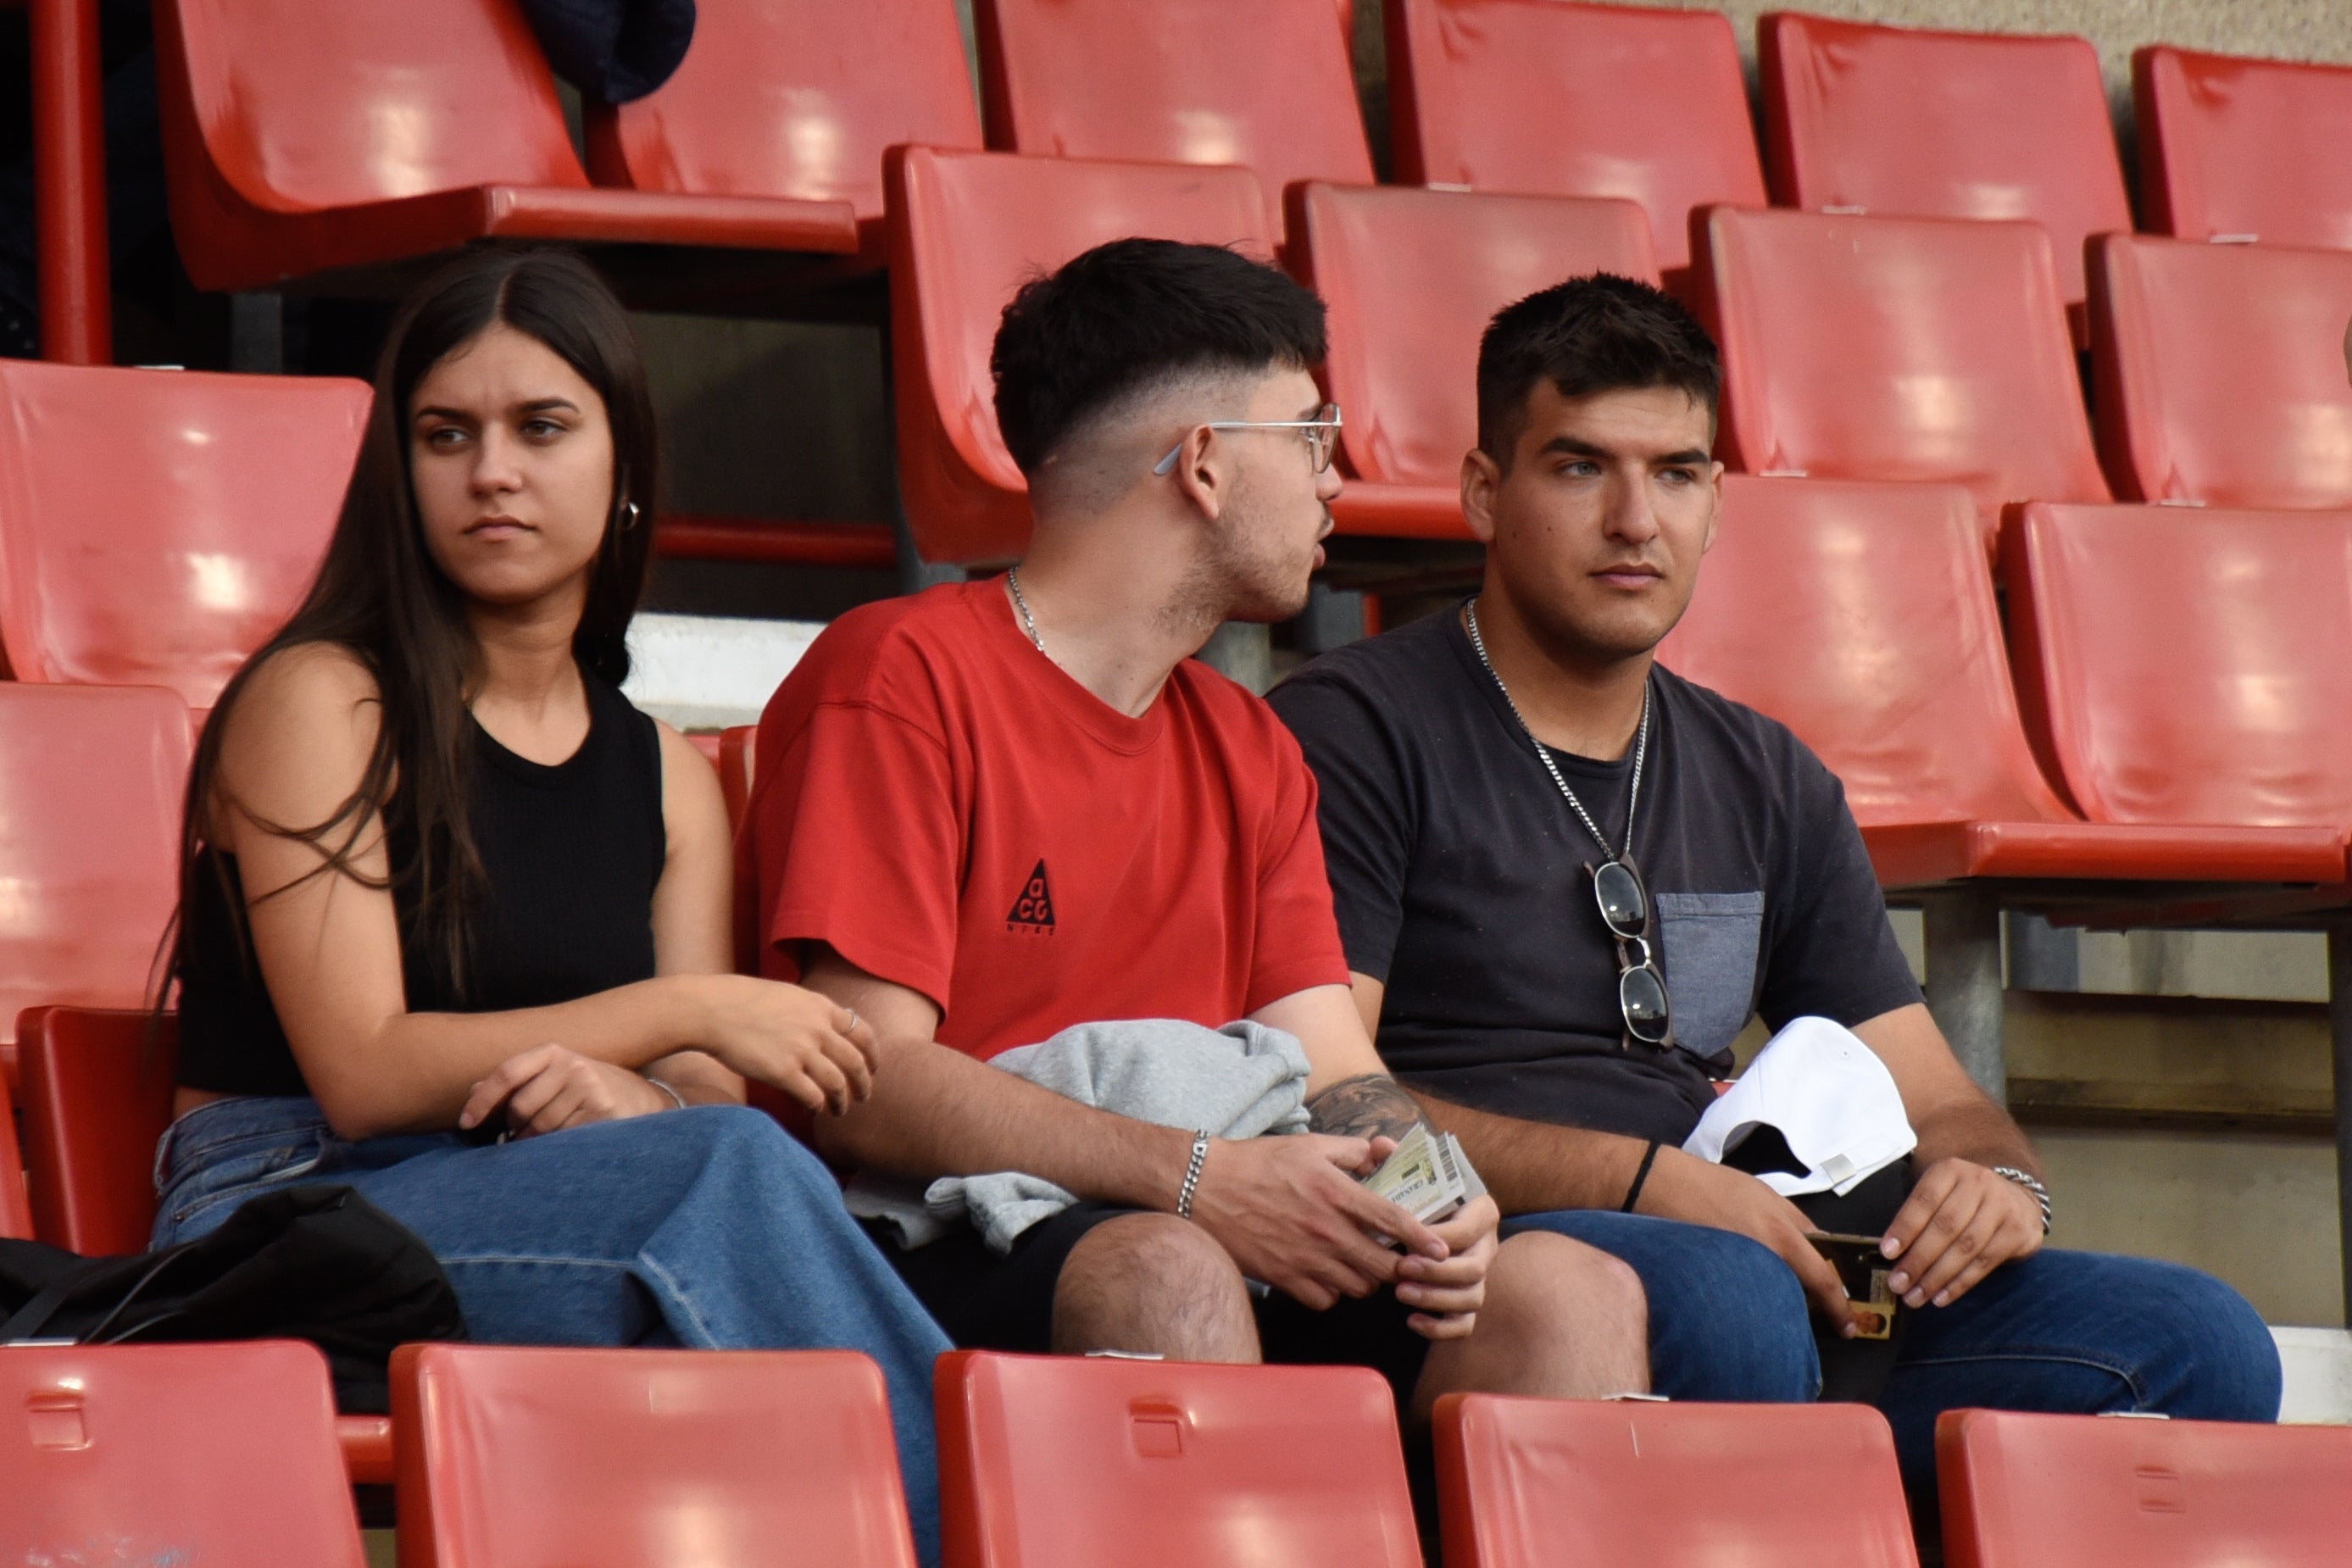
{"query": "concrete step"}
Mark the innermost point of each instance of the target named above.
(709, 672)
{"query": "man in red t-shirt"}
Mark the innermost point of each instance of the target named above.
(997, 810)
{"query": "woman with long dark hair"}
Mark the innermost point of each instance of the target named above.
(441, 883)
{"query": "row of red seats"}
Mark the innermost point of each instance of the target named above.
(306, 141)
(511, 1457)
(1856, 347)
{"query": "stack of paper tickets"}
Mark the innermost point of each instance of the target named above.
(1429, 1176)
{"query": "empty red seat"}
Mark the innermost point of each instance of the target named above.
(303, 139)
(966, 229)
(512, 1456)
(1412, 278)
(157, 526)
(1862, 616)
(2244, 148)
(1529, 1482)
(2055, 1491)
(2180, 665)
(2221, 371)
(172, 1454)
(89, 842)
(1913, 123)
(1048, 1460)
(98, 1095)
(1879, 348)
(1562, 99)
(795, 97)
(1265, 83)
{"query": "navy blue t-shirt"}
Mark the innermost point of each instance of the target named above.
(1457, 870)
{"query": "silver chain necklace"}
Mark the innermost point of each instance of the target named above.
(1013, 580)
(1543, 752)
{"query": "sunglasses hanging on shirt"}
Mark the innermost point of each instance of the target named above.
(1617, 886)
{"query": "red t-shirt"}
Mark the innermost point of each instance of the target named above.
(952, 812)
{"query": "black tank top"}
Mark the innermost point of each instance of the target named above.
(570, 853)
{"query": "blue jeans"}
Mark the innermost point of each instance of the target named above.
(708, 1228)
(2073, 1333)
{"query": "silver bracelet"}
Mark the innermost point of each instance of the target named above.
(1192, 1175)
(2041, 1193)
(664, 1089)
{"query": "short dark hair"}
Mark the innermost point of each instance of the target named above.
(1596, 334)
(1131, 314)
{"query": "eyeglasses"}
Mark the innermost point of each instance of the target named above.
(1322, 434)
(1640, 983)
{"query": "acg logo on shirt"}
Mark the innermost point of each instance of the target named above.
(1033, 911)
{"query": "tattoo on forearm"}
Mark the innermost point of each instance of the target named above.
(1369, 1105)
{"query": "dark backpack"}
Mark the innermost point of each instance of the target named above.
(317, 1263)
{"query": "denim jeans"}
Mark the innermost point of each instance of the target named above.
(707, 1227)
(2073, 1333)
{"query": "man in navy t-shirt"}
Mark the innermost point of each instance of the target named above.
(1565, 879)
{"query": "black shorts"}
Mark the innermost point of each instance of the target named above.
(988, 1302)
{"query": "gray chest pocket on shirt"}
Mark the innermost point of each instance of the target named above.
(1710, 942)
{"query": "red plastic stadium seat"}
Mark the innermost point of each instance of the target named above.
(1048, 1460)
(1912, 123)
(172, 1454)
(98, 1095)
(2244, 148)
(1884, 348)
(2043, 1491)
(1862, 616)
(157, 526)
(1411, 278)
(966, 229)
(303, 139)
(1563, 99)
(2181, 665)
(2221, 371)
(512, 1456)
(795, 97)
(1531, 1482)
(1265, 83)
(89, 842)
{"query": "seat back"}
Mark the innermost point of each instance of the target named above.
(2246, 148)
(157, 526)
(1898, 349)
(1523, 1482)
(1862, 616)
(612, 1459)
(1047, 1460)
(97, 1096)
(793, 97)
(183, 1454)
(1412, 278)
(966, 230)
(2187, 666)
(2039, 1491)
(2221, 371)
(1915, 123)
(1554, 99)
(1265, 83)
(89, 844)
(297, 107)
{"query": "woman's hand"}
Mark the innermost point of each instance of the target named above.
(791, 1039)
(548, 1089)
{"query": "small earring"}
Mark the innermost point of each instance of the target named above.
(629, 516)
